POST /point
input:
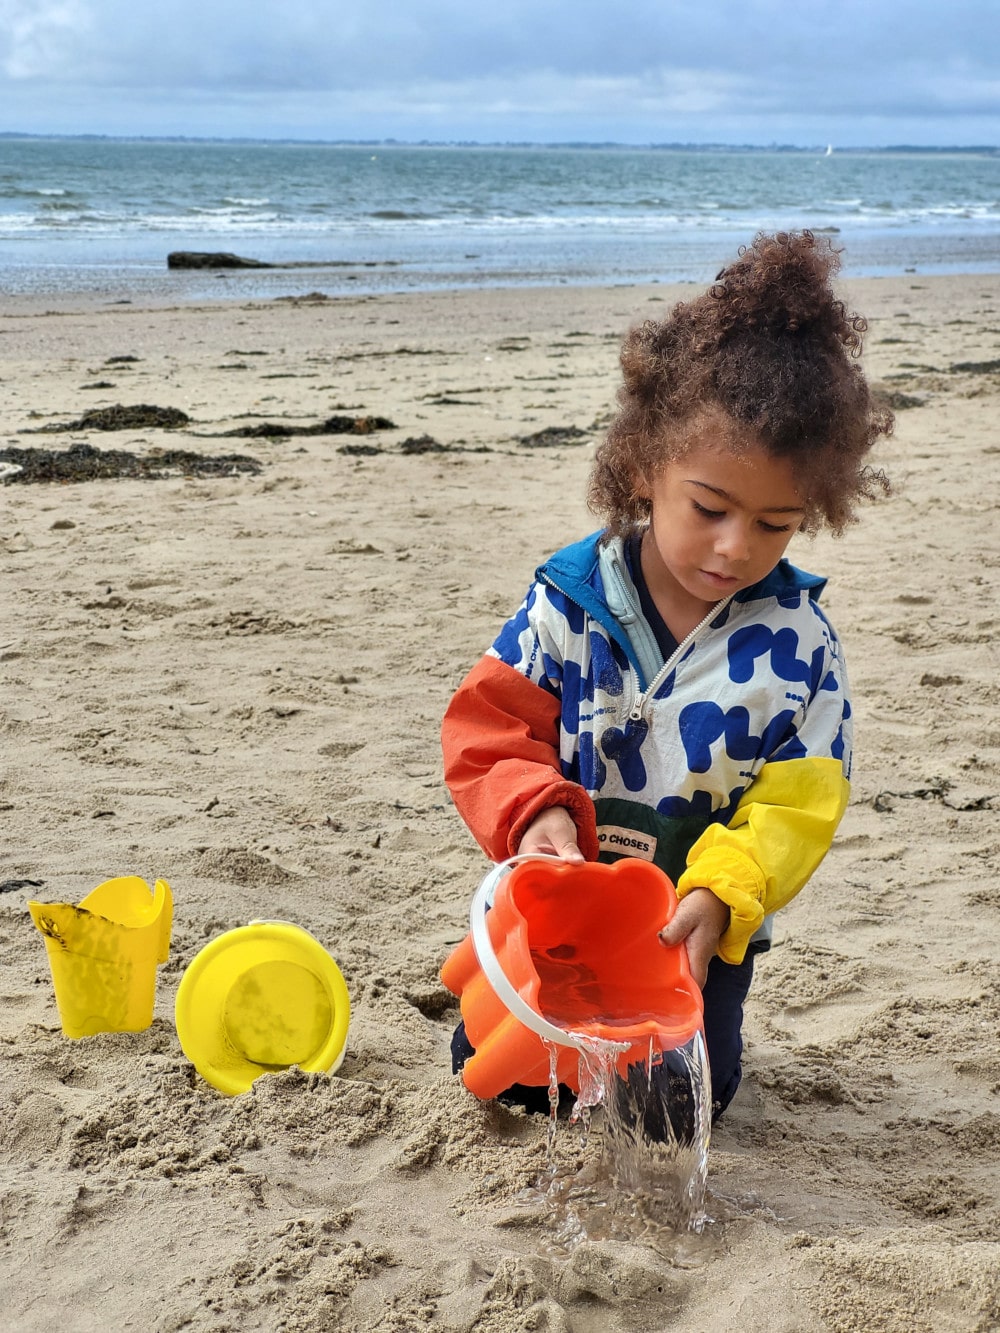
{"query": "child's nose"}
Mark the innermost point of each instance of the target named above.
(733, 541)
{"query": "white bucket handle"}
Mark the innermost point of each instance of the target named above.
(490, 964)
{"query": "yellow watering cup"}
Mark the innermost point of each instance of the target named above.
(103, 954)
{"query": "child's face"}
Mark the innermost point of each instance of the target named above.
(722, 516)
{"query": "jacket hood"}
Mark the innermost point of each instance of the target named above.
(575, 571)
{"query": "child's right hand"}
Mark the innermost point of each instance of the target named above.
(552, 833)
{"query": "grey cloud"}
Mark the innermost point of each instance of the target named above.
(300, 42)
(447, 60)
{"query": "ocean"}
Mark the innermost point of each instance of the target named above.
(100, 216)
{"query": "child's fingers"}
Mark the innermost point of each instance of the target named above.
(697, 924)
(672, 934)
(553, 833)
(565, 845)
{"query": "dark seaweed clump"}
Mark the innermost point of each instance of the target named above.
(976, 367)
(83, 462)
(142, 416)
(361, 450)
(554, 436)
(423, 444)
(335, 425)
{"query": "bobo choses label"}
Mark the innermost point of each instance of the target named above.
(628, 828)
(626, 842)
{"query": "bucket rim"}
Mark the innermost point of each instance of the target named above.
(490, 963)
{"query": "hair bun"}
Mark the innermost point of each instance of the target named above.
(780, 284)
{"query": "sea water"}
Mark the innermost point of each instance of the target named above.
(101, 215)
(647, 1181)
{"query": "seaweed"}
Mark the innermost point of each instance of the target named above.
(554, 436)
(84, 462)
(975, 367)
(13, 885)
(894, 399)
(140, 417)
(423, 444)
(361, 450)
(335, 425)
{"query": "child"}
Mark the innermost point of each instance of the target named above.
(670, 688)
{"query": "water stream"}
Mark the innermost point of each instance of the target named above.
(646, 1182)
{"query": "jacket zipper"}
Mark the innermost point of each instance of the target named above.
(640, 701)
(635, 712)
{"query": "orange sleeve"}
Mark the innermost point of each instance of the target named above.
(500, 738)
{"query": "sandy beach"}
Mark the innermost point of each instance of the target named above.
(233, 680)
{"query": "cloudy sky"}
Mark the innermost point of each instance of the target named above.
(848, 72)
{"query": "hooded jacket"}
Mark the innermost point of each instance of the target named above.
(728, 765)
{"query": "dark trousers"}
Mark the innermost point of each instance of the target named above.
(724, 991)
(723, 994)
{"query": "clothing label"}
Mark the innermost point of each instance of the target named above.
(626, 842)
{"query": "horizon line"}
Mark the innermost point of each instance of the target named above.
(391, 141)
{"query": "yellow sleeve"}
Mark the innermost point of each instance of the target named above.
(781, 830)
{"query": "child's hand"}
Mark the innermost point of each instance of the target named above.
(552, 833)
(698, 923)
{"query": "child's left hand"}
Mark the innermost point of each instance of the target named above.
(698, 923)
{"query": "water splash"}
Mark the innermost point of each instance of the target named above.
(648, 1181)
(553, 1051)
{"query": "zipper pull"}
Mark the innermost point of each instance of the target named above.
(635, 712)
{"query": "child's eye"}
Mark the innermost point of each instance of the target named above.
(775, 527)
(707, 513)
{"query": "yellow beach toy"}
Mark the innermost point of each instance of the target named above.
(258, 999)
(103, 954)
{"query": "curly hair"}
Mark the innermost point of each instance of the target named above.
(770, 346)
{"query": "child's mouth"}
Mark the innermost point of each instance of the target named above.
(719, 580)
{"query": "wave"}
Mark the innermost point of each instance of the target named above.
(12, 190)
(232, 223)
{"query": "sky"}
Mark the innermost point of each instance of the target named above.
(860, 73)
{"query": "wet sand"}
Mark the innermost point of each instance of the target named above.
(233, 680)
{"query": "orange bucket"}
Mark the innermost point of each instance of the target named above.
(567, 953)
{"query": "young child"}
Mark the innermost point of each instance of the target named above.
(670, 688)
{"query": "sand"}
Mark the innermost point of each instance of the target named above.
(234, 682)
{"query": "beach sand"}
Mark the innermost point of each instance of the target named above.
(235, 681)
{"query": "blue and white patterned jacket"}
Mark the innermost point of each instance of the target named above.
(728, 765)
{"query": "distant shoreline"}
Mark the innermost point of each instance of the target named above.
(983, 150)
